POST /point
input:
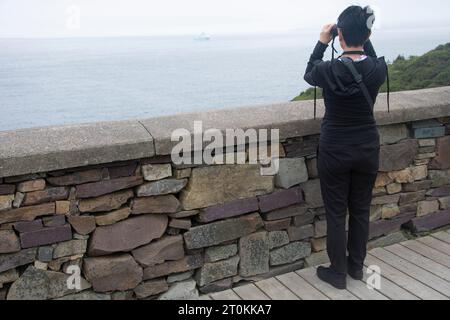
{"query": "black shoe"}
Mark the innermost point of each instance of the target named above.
(355, 274)
(353, 271)
(329, 276)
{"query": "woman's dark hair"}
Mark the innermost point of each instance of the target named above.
(356, 23)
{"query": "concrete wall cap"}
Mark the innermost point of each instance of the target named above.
(44, 149)
(34, 150)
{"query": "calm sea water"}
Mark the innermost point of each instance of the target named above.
(60, 81)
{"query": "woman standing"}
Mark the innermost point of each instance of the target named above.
(348, 154)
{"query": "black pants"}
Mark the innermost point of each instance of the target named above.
(347, 177)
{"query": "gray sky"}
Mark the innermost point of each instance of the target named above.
(58, 18)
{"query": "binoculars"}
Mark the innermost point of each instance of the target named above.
(334, 31)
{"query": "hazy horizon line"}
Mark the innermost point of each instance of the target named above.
(308, 31)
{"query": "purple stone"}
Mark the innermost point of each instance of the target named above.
(384, 227)
(28, 226)
(123, 171)
(7, 189)
(280, 199)
(45, 236)
(430, 222)
(228, 210)
(441, 192)
(96, 189)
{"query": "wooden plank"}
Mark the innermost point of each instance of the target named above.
(310, 276)
(391, 290)
(448, 231)
(443, 236)
(300, 287)
(421, 261)
(275, 290)
(225, 295)
(428, 252)
(403, 280)
(436, 244)
(414, 271)
(250, 292)
(204, 297)
(360, 289)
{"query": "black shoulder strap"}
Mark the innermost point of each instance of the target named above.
(359, 79)
(388, 89)
(315, 102)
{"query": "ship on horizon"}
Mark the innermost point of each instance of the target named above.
(203, 37)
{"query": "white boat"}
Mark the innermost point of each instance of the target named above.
(203, 37)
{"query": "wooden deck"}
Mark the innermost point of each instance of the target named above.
(413, 270)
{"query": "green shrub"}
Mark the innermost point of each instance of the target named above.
(427, 71)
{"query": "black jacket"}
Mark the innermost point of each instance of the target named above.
(348, 117)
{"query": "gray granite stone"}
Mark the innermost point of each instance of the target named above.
(211, 272)
(254, 253)
(393, 133)
(178, 277)
(290, 253)
(278, 239)
(185, 290)
(35, 284)
(218, 232)
(291, 172)
(213, 254)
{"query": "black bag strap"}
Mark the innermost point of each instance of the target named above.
(315, 102)
(359, 80)
(388, 89)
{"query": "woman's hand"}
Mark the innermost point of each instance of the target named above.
(325, 35)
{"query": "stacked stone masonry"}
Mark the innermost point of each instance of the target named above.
(149, 229)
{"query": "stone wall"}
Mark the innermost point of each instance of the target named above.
(145, 228)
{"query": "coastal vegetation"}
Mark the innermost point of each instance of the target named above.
(416, 72)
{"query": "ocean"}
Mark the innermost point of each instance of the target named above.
(76, 80)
